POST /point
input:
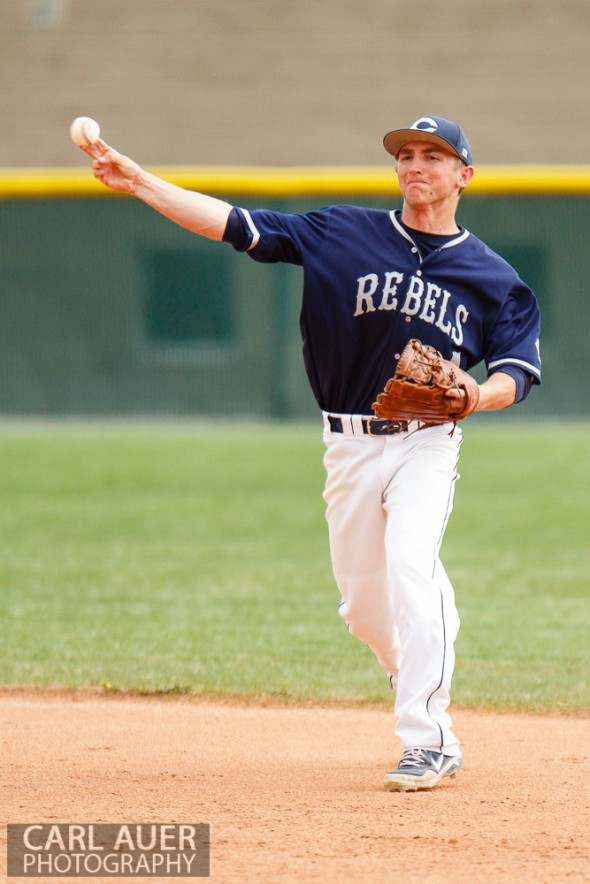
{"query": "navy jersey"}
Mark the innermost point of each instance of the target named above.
(367, 290)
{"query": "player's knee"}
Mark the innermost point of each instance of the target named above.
(362, 624)
(377, 637)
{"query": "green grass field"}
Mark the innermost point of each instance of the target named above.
(193, 558)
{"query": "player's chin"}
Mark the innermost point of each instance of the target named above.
(418, 193)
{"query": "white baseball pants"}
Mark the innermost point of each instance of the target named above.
(388, 502)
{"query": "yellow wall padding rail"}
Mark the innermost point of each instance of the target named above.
(296, 181)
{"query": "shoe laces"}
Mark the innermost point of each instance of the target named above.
(412, 758)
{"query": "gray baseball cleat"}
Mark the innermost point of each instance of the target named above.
(421, 769)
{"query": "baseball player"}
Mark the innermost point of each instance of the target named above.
(372, 281)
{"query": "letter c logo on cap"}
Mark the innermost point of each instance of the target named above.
(425, 124)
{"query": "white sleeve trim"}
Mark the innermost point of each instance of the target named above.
(253, 229)
(519, 362)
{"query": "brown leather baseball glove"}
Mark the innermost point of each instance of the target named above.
(420, 388)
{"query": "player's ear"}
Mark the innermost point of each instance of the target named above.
(467, 173)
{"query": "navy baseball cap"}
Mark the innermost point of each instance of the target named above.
(434, 129)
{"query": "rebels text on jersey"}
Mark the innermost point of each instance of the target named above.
(367, 290)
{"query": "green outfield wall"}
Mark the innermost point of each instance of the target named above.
(107, 309)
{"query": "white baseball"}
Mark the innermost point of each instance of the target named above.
(84, 128)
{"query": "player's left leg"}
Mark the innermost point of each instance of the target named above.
(418, 503)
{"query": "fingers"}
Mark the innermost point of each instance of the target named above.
(109, 167)
(104, 162)
(99, 170)
(104, 157)
(92, 149)
(114, 169)
(96, 150)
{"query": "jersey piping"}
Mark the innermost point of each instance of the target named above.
(520, 362)
(253, 229)
(448, 245)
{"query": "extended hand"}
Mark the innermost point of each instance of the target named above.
(113, 169)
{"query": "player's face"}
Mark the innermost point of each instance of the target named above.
(428, 174)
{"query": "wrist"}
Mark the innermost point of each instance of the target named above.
(499, 391)
(141, 183)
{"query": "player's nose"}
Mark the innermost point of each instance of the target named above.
(413, 166)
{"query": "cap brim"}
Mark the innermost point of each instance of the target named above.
(395, 140)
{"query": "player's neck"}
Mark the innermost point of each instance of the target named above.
(429, 219)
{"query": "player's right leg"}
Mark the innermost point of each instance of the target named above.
(356, 523)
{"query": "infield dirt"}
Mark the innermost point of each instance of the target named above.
(294, 794)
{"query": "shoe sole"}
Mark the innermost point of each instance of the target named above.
(399, 782)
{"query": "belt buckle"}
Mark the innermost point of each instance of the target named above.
(383, 426)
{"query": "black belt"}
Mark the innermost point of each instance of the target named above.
(372, 426)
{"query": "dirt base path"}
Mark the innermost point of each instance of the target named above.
(294, 794)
